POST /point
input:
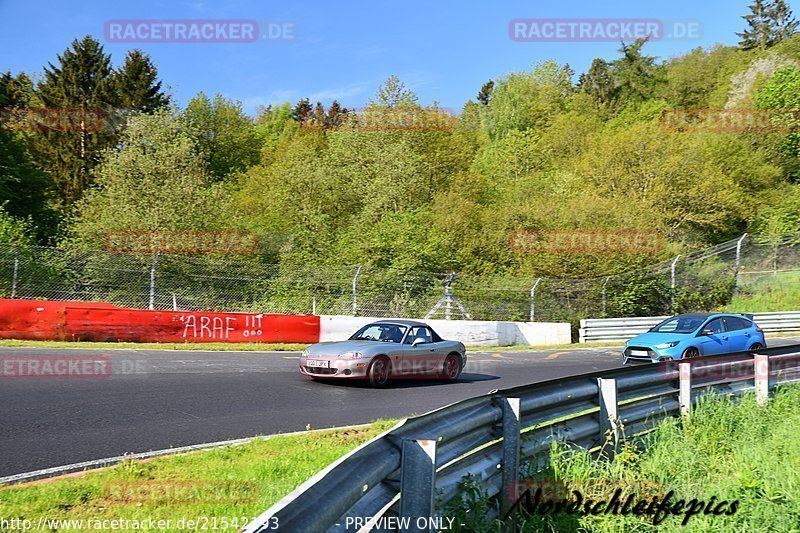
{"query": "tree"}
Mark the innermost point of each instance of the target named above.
(78, 90)
(636, 74)
(783, 18)
(599, 82)
(485, 94)
(222, 132)
(137, 85)
(393, 94)
(302, 111)
(768, 23)
(156, 180)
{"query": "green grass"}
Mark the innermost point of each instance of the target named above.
(767, 293)
(260, 473)
(730, 451)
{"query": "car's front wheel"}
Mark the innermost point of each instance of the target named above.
(379, 371)
(452, 367)
(690, 353)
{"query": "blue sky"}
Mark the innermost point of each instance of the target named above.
(443, 49)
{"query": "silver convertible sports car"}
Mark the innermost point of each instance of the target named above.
(384, 350)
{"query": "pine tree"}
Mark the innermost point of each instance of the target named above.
(783, 19)
(302, 111)
(598, 82)
(137, 85)
(485, 94)
(760, 28)
(77, 92)
(337, 114)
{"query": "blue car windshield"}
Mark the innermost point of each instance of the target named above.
(380, 332)
(679, 324)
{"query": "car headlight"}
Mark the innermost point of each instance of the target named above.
(667, 345)
(350, 355)
(305, 353)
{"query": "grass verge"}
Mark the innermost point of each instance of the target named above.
(726, 452)
(236, 482)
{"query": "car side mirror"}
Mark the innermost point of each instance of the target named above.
(707, 332)
(418, 341)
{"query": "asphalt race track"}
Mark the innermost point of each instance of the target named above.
(161, 399)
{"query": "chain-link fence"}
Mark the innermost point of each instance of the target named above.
(759, 271)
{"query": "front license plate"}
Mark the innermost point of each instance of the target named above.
(316, 363)
(640, 352)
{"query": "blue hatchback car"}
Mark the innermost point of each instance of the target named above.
(695, 335)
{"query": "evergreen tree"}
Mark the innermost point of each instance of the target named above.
(137, 85)
(782, 17)
(599, 82)
(337, 114)
(485, 94)
(77, 92)
(767, 23)
(302, 111)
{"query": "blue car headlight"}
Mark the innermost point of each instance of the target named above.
(350, 355)
(666, 345)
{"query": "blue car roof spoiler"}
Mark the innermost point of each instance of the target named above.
(749, 316)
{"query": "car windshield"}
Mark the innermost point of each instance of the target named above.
(679, 324)
(380, 332)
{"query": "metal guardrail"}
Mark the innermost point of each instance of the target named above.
(622, 329)
(411, 470)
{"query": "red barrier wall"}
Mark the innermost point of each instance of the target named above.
(136, 325)
(97, 321)
(37, 319)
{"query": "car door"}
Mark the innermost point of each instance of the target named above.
(422, 359)
(738, 330)
(713, 339)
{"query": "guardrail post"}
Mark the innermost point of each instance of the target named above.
(685, 394)
(417, 477)
(511, 429)
(609, 419)
(761, 376)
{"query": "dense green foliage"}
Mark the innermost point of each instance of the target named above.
(412, 187)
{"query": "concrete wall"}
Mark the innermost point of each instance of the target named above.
(470, 332)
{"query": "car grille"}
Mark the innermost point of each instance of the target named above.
(648, 358)
(320, 371)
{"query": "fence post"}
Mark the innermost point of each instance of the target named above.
(609, 419)
(685, 394)
(738, 263)
(355, 292)
(511, 429)
(604, 295)
(672, 284)
(761, 377)
(16, 272)
(417, 477)
(174, 302)
(533, 299)
(151, 305)
(313, 305)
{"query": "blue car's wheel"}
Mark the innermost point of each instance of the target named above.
(691, 353)
(756, 346)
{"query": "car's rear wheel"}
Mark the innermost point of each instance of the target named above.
(690, 353)
(756, 346)
(379, 371)
(452, 367)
